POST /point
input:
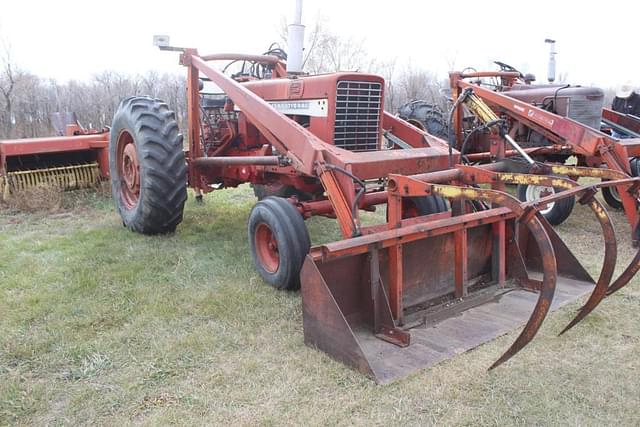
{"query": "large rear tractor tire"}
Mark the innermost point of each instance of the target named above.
(557, 212)
(279, 242)
(147, 166)
(425, 116)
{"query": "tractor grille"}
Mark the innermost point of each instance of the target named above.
(357, 124)
(586, 111)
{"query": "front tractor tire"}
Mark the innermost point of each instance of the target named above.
(424, 205)
(147, 166)
(279, 242)
(262, 191)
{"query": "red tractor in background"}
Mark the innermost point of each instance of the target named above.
(582, 105)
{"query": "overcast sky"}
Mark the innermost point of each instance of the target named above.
(596, 41)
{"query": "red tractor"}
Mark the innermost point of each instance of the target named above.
(453, 264)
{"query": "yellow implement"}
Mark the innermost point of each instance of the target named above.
(64, 178)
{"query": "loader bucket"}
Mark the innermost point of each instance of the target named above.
(409, 296)
(338, 307)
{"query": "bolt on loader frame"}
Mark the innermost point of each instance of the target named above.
(458, 261)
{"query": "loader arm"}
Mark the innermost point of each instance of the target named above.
(301, 146)
(562, 130)
(307, 153)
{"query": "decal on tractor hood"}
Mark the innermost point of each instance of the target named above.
(306, 107)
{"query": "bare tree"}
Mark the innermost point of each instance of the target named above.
(419, 84)
(451, 58)
(327, 52)
(331, 53)
(28, 102)
(387, 70)
(10, 75)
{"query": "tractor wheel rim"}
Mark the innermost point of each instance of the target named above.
(416, 123)
(267, 248)
(614, 194)
(128, 169)
(536, 192)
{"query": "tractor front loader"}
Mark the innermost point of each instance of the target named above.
(456, 262)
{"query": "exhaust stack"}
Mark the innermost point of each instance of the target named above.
(551, 70)
(295, 42)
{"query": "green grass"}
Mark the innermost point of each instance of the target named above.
(102, 326)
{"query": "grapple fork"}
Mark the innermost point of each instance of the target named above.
(417, 292)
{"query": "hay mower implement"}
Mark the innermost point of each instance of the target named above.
(75, 158)
(458, 260)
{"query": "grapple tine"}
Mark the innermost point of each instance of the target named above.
(626, 275)
(608, 266)
(586, 197)
(547, 290)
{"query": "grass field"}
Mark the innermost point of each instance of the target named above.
(102, 326)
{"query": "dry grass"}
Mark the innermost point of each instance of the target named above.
(42, 198)
(102, 326)
(51, 199)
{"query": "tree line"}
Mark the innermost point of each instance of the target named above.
(27, 107)
(27, 100)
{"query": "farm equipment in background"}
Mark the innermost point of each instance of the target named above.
(623, 126)
(627, 125)
(563, 122)
(457, 261)
(582, 105)
(425, 116)
(75, 158)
